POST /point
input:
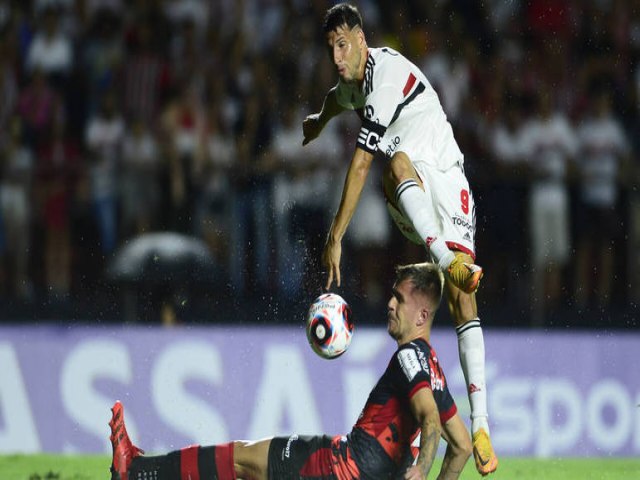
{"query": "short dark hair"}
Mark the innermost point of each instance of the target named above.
(425, 277)
(339, 15)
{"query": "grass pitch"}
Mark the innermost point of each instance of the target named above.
(90, 467)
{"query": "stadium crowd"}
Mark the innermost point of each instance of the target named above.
(122, 118)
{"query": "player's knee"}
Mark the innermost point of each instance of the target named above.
(400, 168)
(465, 448)
(250, 459)
(389, 185)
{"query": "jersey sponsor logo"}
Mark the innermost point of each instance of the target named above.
(368, 112)
(409, 362)
(423, 361)
(392, 148)
(462, 222)
(287, 448)
(368, 139)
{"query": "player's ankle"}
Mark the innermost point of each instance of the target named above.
(480, 422)
(445, 260)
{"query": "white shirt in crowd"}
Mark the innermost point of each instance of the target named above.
(602, 146)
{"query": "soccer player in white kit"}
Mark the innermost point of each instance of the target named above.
(425, 186)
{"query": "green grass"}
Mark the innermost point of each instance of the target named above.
(89, 467)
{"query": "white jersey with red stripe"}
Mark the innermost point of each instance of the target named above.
(400, 111)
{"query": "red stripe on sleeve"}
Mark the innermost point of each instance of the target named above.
(410, 81)
(189, 463)
(418, 387)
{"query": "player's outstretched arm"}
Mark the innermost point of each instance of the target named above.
(353, 185)
(313, 124)
(425, 410)
(458, 448)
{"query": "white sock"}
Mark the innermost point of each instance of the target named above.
(471, 350)
(417, 206)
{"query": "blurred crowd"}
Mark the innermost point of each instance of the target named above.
(123, 118)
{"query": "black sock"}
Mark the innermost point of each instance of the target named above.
(168, 467)
(162, 467)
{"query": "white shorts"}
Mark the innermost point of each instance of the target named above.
(453, 207)
(549, 216)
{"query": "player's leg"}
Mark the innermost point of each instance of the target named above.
(405, 190)
(309, 457)
(464, 312)
(457, 212)
(218, 461)
(407, 196)
(251, 459)
(459, 448)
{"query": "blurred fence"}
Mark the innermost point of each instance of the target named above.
(568, 394)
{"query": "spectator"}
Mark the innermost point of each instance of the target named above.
(251, 216)
(51, 50)
(215, 196)
(604, 152)
(104, 138)
(15, 203)
(102, 56)
(184, 129)
(507, 196)
(301, 191)
(37, 105)
(369, 238)
(187, 55)
(59, 163)
(550, 144)
(140, 181)
(8, 93)
(145, 74)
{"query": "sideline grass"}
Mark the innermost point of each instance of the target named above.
(96, 467)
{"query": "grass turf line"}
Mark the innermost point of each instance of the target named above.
(96, 467)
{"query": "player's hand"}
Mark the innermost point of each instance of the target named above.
(331, 261)
(311, 127)
(414, 473)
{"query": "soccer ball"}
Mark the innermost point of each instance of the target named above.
(329, 325)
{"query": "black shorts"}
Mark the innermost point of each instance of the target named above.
(311, 457)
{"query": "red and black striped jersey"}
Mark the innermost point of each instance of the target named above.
(381, 438)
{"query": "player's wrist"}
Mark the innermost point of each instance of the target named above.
(334, 237)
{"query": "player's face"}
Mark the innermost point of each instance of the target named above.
(403, 311)
(346, 52)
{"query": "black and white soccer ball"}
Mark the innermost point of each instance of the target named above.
(329, 325)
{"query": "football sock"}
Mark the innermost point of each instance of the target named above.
(193, 463)
(417, 206)
(471, 350)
